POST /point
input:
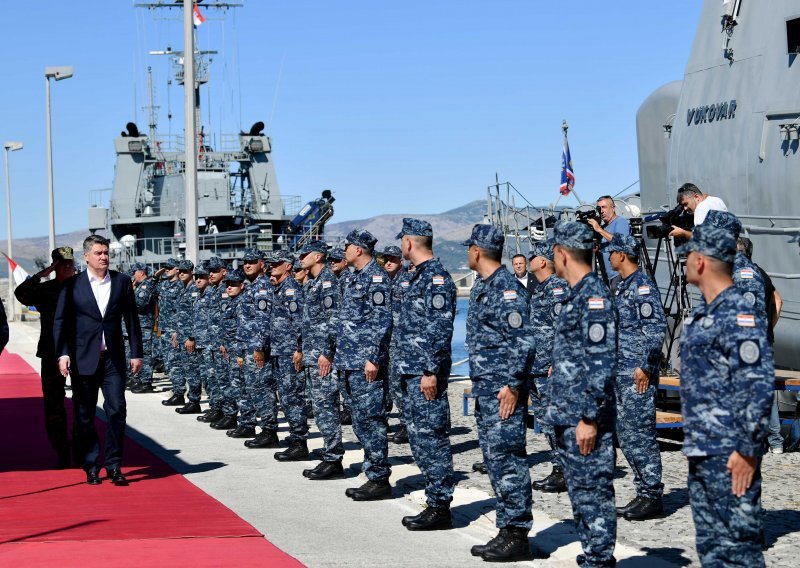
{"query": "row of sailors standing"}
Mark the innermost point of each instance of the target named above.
(588, 358)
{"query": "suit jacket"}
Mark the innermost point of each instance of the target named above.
(78, 324)
(532, 283)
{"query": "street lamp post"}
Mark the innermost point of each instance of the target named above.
(10, 147)
(57, 73)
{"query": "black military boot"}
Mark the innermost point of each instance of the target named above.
(241, 432)
(513, 548)
(553, 483)
(401, 436)
(265, 439)
(224, 423)
(297, 451)
(325, 470)
(141, 389)
(212, 415)
(431, 519)
(189, 408)
(480, 467)
(646, 509)
(174, 400)
(345, 418)
(479, 549)
(371, 491)
(633, 502)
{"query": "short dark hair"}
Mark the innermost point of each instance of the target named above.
(522, 256)
(92, 240)
(746, 245)
(584, 256)
(720, 266)
(688, 190)
(422, 242)
(496, 255)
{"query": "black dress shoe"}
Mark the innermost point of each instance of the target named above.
(622, 510)
(480, 467)
(431, 519)
(93, 477)
(141, 389)
(646, 509)
(117, 478)
(513, 548)
(297, 451)
(401, 436)
(242, 432)
(224, 423)
(553, 483)
(346, 418)
(211, 415)
(325, 470)
(372, 491)
(265, 439)
(174, 400)
(189, 408)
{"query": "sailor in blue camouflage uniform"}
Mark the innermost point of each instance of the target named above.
(216, 378)
(286, 326)
(362, 358)
(546, 300)
(339, 266)
(399, 276)
(642, 327)
(183, 370)
(316, 353)
(422, 360)
(144, 291)
(231, 350)
(166, 279)
(581, 408)
(499, 346)
(259, 398)
(727, 375)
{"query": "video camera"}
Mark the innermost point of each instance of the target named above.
(585, 216)
(677, 217)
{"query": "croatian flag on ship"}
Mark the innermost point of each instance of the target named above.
(567, 176)
(197, 16)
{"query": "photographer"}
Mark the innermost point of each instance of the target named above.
(695, 201)
(612, 224)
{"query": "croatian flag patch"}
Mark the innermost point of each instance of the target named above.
(377, 279)
(509, 294)
(644, 290)
(746, 273)
(596, 304)
(438, 280)
(746, 320)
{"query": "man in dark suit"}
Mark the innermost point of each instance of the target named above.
(520, 265)
(88, 339)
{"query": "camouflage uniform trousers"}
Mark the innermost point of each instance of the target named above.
(347, 402)
(636, 432)
(205, 374)
(539, 401)
(428, 423)
(164, 342)
(325, 397)
(369, 420)
(145, 376)
(257, 396)
(590, 483)
(232, 386)
(183, 372)
(292, 392)
(217, 396)
(395, 388)
(503, 446)
(728, 528)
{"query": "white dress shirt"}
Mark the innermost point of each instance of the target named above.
(101, 288)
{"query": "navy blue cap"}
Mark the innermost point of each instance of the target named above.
(336, 253)
(279, 256)
(251, 254)
(415, 228)
(392, 250)
(724, 220)
(215, 263)
(486, 237)
(313, 246)
(171, 263)
(543, 249)
(361, 238)
(234, 275)
(186, 265)
(626, 244)
(712, 241)
(297, 266)
(201, 270)
(574, 235)
(141, 266)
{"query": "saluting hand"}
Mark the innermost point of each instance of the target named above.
(742, 469)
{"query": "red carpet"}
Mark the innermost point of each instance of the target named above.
(47, 515)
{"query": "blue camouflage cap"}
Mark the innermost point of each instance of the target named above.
(215, 263)
(574, 235)
(543, 249)
(392, 250)
(171, 263)
(625, 244)
(486, 237)
(415, 228)
(234, 275)
(140, 266)
(186, 265)
(313, 246)
(336, 253)
(279, 256)
(201, 270)
(361, 238)
(713, 241)
(297, 266)
(724, 220)
(251, 255)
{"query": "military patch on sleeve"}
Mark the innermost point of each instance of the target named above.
(644, 290)
(558, 291)
(290, 291)
(750, 297)
(749, 352)
(327, 301)
(646, 310)
(596, 304)
(293, 306)
(438, 280)
(746, 274)
(438, 301)
(515, 320)
(509, 294)
(597, 332)
(326, 284)
(262, 305)
(745, 320)
(377, 279)
(378, 298)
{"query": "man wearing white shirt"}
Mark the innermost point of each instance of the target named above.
(88, 339)
(695, 201)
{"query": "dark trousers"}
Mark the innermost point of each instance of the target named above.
(87, 387)
(55, 414)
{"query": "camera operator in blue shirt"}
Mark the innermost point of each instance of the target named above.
(612, 224)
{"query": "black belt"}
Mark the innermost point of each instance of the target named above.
(538, 375)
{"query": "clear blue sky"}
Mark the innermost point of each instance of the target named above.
(397, 106)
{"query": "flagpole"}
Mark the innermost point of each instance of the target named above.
(565, 127)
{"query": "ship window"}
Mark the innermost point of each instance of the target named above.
(793, 35)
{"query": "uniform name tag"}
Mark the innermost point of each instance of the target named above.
(745, 320)
(404, 284)
(558, 291)
(224, 294)
(377, 279)
(290, 292)
(326, 284)
(746, 273)
(509, 294)
(644, 290)
(596, 304)
(262, 292)
(438, 280)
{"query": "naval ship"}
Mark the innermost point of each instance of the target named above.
(239, 200)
